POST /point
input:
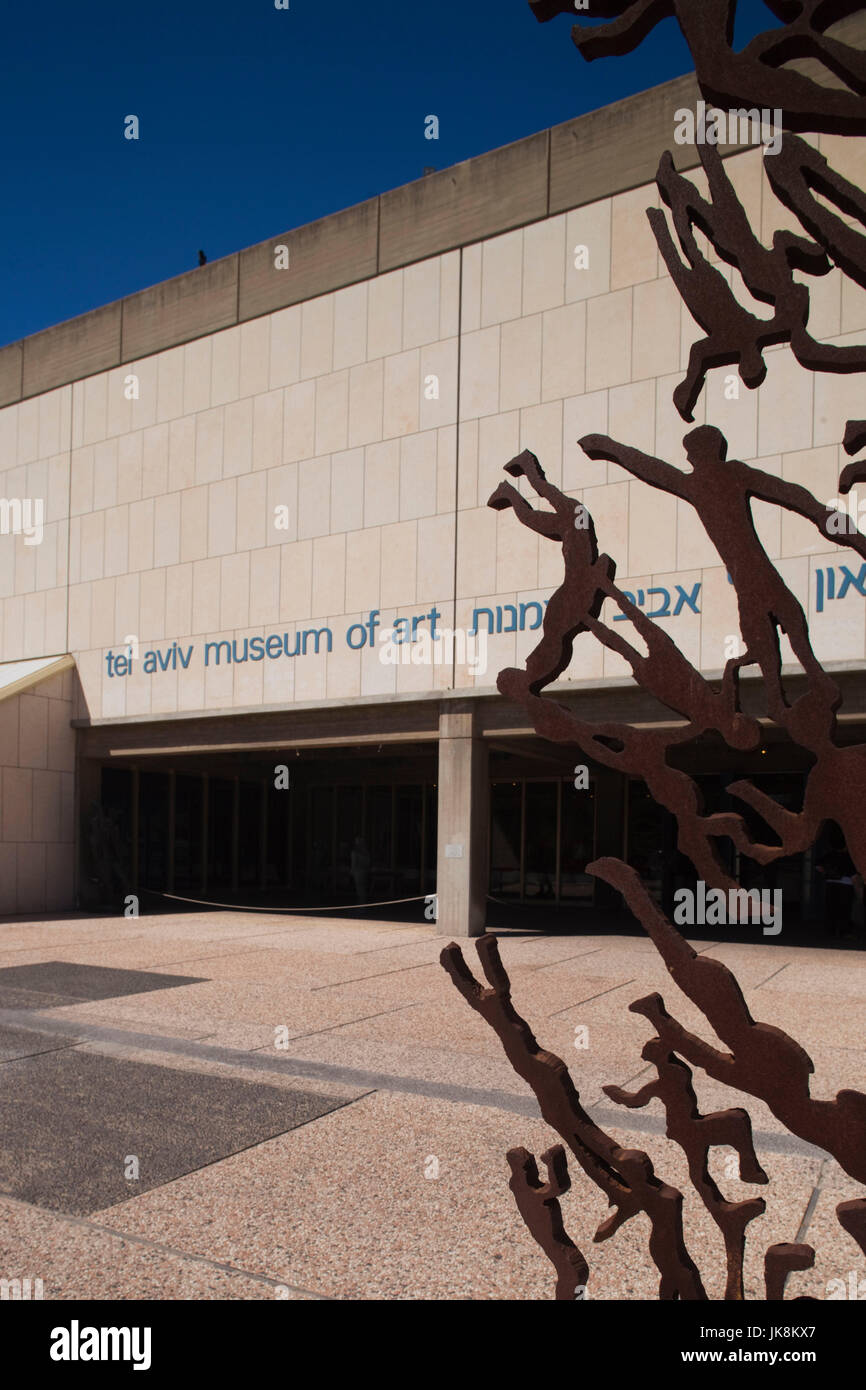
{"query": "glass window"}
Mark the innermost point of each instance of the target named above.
(408, 832)
(645, 837)
(187, 843)
(577, 843)
(379, 812)
(221, 794)
(431, 821)
(539, 868)
(505, 839)
(350, 827)
(153, 831)
(320, 833)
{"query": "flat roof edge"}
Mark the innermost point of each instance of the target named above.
(597, 155)
(588, 158)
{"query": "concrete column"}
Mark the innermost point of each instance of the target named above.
(463, 828)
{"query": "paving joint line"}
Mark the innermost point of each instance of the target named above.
(577, 1003)
(401, 945)
(773, 976)
(86, 1223)
(332, 1028)
(380, 975)
(44, 1052)
(562, 959)
(366, 1082)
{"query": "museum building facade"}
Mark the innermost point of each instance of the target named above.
(253, 601)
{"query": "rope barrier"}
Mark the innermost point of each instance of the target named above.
(531, 902)
(342, 907)
(238, 907)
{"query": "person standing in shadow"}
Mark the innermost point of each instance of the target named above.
(360, 869)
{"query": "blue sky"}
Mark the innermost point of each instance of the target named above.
(255, 120)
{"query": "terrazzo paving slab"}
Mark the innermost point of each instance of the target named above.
(65, 935)
(264, 1006)
(70, 980)
(241, 1215)
(28, 1042)
(76, 1259)
(787, 1198)
(422, 1062)
(449, 1067)
(402, 1236)
(407, 1235)
(836, 1069)
(82, 951)
(70, 1119)
(342, 938)
(844, 979)
(282, 1078)
(818, 1019)
(13, 998)
(140, 954)
(837, 1256)
(82, 1016)
(412, 1042)
(267, 963)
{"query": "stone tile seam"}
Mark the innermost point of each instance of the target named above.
(373, 1081)
(43, 1052)
(84, 1223)
(380, 974)
(590, 997)
(579, 955)
(347, 1023)
(771, 976)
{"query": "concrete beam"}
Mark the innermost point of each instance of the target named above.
(478, 198)
(323, 256)
(11, 373)
(71, 350)
(595, 156)
(619, 147)
(189, 306)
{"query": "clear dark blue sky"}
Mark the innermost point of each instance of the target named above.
(256, 120)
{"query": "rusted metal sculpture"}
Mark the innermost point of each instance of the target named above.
(734, 335)
(754, 77)
(756, 1058)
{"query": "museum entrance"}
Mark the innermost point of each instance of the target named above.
(329, 827)
(343, 825)
(542, 836)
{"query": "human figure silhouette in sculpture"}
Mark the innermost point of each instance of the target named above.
(589, 573)
(721, 491)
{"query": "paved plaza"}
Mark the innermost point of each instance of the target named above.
(253, 1106)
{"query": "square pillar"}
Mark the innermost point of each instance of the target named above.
(463, 826)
